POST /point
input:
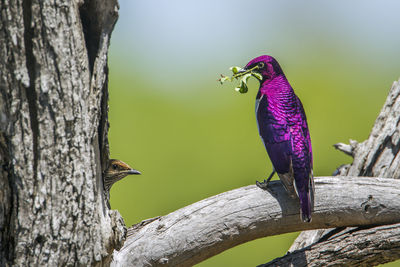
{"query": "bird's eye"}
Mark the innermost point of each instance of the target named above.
(115, 166)
(261, 64)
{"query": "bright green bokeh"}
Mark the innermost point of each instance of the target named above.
(193, 138)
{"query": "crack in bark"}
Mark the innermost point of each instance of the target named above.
(93, 27)
(7, 243)
(369, 169)
(90, 32)
(104, 126)
(327, 236)
(30, 91)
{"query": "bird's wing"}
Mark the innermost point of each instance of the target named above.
(277, 141)
(303, 164)
(306, 134)
(275, 135)
(306, 131)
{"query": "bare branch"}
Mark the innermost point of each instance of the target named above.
(347, 149)
(208, 227)
(353, 247)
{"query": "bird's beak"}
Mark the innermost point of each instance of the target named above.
(242, 70)
(133, 171)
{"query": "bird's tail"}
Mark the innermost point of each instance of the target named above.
(305, 205)
(307, 200)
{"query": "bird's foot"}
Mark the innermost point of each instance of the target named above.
(263, 185)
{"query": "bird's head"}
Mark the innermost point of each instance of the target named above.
(265, 65)
(117, 170)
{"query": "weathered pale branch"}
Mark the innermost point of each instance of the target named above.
(208, 227)
(347, 148)
(379, 155)
(352, 247)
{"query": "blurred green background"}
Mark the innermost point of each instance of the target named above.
(193, 138)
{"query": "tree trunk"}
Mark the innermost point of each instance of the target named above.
(53, 133)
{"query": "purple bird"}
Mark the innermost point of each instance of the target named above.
(282, 125)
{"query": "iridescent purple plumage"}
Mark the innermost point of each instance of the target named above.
(282, 125)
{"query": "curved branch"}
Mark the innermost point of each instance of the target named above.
(234, 217)
(358, 247)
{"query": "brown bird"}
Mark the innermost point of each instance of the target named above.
(115, 171)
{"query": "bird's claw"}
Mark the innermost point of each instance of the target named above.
(262, 185)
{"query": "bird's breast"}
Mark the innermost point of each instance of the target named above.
(274, 118)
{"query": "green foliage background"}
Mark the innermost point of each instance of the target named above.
(193, 138)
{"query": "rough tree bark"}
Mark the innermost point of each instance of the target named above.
(53, 133)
